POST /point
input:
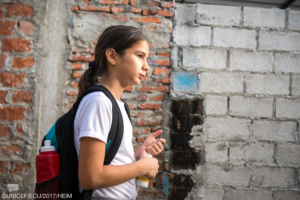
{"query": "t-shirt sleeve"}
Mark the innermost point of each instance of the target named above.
(94, 116)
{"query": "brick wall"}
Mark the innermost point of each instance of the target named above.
(18, 35)
(89, 19)
(244, 63)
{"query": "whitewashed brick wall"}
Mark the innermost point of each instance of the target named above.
(246, 60)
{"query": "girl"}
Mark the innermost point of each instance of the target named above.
(120, 60)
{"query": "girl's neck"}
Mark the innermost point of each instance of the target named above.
(114, 87)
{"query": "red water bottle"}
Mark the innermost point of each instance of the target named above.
(47, 167)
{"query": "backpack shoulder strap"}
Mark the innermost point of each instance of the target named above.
(127, 109)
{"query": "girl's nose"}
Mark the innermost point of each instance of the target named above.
(146, 66)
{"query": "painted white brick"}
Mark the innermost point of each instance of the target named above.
(190, 35)
(288, 154)
(204, 58)
(228, 175)
(257, 153)
(229, 129)
(288, 108)
(174, 57)
(218, 15)
(267, 84)
(274, 131)
(261, 17)
(251, 61)
(296, 85)
(287, 62)
(185, 13)
(250, 106)
(216, 152)
(294, 20)
(221, 82)
(276, 40)
(287, 195)
(249, 195)
(282, 177)
(232, 37)
(214, 194)
(216, 105)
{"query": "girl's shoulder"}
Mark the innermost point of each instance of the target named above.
(95, 99)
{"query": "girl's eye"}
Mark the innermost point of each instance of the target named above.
(140, 56)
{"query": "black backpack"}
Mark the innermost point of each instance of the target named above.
(62, 133)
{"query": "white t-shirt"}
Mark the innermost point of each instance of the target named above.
(94, 119)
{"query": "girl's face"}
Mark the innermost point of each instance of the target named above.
(132, 66)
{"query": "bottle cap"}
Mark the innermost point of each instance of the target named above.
(47, 146)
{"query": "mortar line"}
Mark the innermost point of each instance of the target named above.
(297, 139)
(274, 108)
(228, 60)
(212, 37)
(245, 85)
(273, 195)
(297, 178)
(257, 39)
(242, 17)
(290, 85)
(275, 153)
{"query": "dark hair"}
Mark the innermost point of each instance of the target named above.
(119, 38)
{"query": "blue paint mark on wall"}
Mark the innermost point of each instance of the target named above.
(185, 81)
(166, 185)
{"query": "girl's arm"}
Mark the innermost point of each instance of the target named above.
(93, 174)
(154, 146)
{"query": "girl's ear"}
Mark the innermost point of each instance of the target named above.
(111, 56)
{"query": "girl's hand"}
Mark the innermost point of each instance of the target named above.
(154, 146)
(150, 165)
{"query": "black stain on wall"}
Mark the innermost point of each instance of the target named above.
(185, 114)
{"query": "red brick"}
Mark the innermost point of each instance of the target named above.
(158, 193)
(86, 1)
(159, 157)
(164, 80)
(140, 97)
(161, 70)
(20, 167)
(22, 97)
(166, 5)
(131, 106)
(117, 10)
(20, 63)
(141, 139)
(14, 10)
(75, 8)
(158, 184)
(82, 58)
(119, 18)
(114, 1)
(14, 149)
(164, 54)
(165, 13)
(16, 45)
(166, 63)
(149, 12)
(72, 93)
(171, 30)
(26, 27)
(164, 89)
(159, 113)
(6, 27)
(145, 89)
(3, 94)
(136, 10)
(76, 66)
(148, 123)
(2, 60)
(150, 106)
(9, 79)
(144, 192)
(77, 74)
(95, 8)
(151, 3)
(74, 84)
(4, 131)
(147, 19)
(133, 2)
(12, 113)
(142, 131)
(158, 98)
(72, 100)
(3, 167)
(19, 129)
(2, 14)
(128, 88)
